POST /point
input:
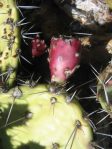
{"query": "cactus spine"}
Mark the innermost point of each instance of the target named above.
(9, 41)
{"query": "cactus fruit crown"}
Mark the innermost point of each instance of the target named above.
(9, 41)
(41, 119)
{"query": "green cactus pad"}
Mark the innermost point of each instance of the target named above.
(9, 40)
(104, 89)
(44, 118)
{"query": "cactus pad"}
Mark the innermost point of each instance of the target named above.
(104, 89)
(9, 41)
(44, 118)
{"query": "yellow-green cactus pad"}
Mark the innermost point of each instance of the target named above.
(37, 116)
(9, 40)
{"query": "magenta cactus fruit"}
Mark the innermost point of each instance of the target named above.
(38, 46)
(63, 58)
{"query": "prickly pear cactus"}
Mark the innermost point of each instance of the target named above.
(43, 117)
(104, 89)
(9, 41)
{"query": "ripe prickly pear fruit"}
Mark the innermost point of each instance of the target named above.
(104, 89)
(38, 47)
(38, 116)
(63, 58)
(9, 41)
